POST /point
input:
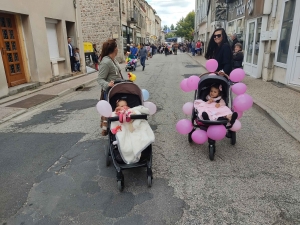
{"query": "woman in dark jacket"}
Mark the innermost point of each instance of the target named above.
(238, 56)
(219, 49)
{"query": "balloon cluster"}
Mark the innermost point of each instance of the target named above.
(241, 103)
(131, 77)
(130, 61)
(105, 109)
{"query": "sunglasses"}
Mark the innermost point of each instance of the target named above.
(217, 35)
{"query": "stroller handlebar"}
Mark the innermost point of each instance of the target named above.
(133, 117)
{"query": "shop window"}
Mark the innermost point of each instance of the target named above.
(286, 31)
(52, 38)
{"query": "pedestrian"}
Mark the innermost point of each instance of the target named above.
(71, 55)
(193, 46)
(109, 72)
(95, 56)
(166, 50)
(198, 47)
(238, 56)
(234, 41)
(219, 49)
(134, 53)
(77, 60)
(143, 55)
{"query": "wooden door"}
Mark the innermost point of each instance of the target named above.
(10, 50)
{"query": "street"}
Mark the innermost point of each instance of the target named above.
(53, 166)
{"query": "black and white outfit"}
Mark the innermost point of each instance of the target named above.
(72, 57)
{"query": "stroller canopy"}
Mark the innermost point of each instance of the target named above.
(207, 81)
(127, 91)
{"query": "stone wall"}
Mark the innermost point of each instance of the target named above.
(100, 20)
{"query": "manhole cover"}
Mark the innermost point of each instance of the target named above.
(32, 101)
(192, 66)
(188, 75)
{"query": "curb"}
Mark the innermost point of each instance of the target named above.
(272, 114)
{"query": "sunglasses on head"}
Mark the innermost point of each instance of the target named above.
(217, 35)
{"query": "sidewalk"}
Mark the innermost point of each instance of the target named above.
(20, 103)
(278, 101)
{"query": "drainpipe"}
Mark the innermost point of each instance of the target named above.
(274, 9)
(121, 32)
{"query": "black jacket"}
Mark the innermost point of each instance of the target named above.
(237, 60)
(224, 57)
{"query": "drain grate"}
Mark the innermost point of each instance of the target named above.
(192, 66)
(277, 84)
(84, 88)
(32, 101)
(188, 75)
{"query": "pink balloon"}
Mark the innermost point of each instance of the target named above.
(240, 114)
(184, 126)
(242, 102)
(239, 88)
(237, 75)
(211, 65)
(216, 132)
(151, 106)
(199, 137)
(184, 85)
(104, 108)
(192, 82)
(188, 108)
(236, 126)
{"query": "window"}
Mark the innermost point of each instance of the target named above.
(286, 31)
(52, 38)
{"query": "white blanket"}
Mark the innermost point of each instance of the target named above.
(131, 144)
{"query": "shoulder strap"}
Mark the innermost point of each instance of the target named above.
(117, 68)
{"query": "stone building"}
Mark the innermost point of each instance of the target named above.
(100, 21)
(33, 43)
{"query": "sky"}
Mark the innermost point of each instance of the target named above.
(171, 11)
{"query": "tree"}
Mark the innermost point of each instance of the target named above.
(165, 27)
(185, 26)
(172, 27)
(170, 35)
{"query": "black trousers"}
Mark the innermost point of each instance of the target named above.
(72, 61)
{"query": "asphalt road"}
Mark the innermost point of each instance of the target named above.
(53, 167)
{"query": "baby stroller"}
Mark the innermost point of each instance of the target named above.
(132, 94)
(130, 67)
(203, 90)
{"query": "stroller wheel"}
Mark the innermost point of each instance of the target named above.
(107, 161)
(149, 181)
(212, 150)
(233, 137)
(190, 136)
(120, 185)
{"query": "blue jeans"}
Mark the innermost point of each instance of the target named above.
(143, 60)
(77, 66)
(193, 51)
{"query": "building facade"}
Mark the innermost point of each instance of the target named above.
(268, 30)
(100, 21)
(33, 43)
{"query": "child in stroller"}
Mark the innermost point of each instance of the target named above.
(130, 66)
(130, 136)
(215, 107)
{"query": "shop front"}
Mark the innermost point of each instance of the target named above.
(256, 23)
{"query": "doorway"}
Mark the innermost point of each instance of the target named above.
(253, 48)
(294, 48)
(10, 50)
